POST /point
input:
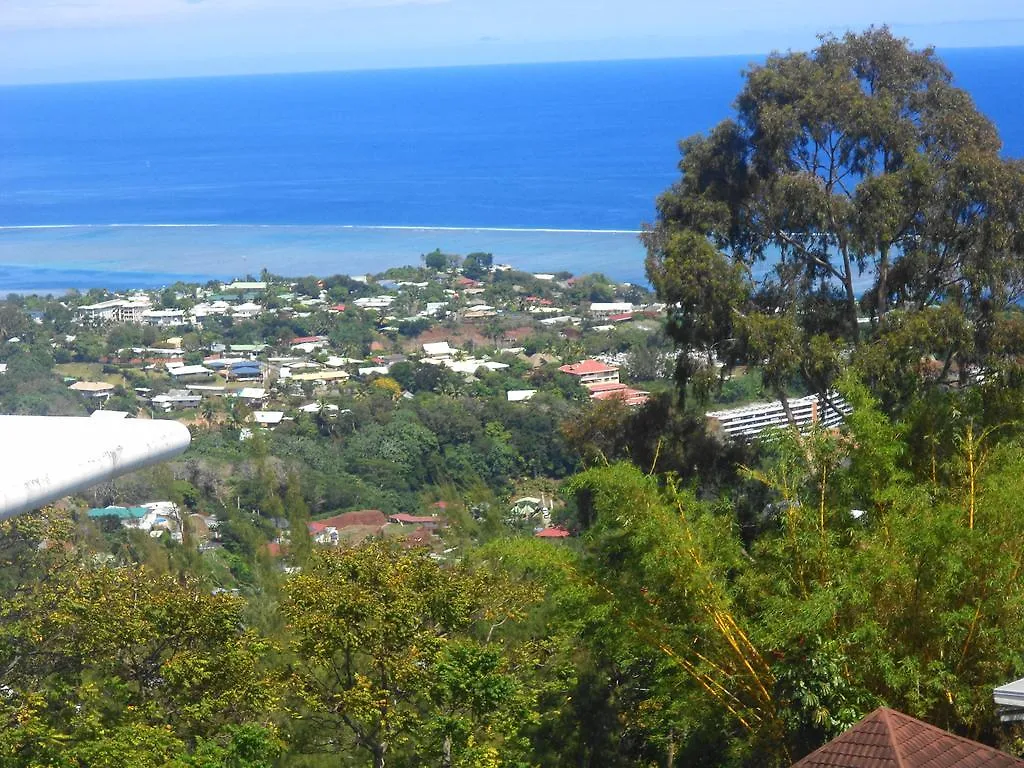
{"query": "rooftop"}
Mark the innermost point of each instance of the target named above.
(890, 739)
(584, 367)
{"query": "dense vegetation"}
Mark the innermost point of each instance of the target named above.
(719, 604)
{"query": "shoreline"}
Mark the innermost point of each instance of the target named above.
(55, 258)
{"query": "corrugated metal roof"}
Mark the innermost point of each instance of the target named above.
(890, 739)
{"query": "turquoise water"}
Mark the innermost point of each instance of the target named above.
(51, 258)
(549, 167)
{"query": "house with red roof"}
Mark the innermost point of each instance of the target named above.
(628, 395)
(309, 343)
(554, 532)
(349, 526)
(890, 739)
(591, 372)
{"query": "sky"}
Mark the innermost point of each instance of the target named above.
(81, 40)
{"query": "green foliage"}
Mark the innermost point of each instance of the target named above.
(394, 658)
(125, 667)
(859, 156)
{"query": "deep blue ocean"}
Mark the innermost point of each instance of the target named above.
(549, 166)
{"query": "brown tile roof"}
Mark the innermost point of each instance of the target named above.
(365, 517)
(587, 366)
(889, 739)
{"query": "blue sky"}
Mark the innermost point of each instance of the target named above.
(67, 40)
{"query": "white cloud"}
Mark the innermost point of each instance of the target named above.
(43, 14)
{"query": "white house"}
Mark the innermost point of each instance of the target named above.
(96, 390)
(439, 349)
(247, 311)
(375, 302)
(252, 395)
(189, 372)
(519, 395)
(177, 399)
(268, 419)
(604, 308)
(164, 317)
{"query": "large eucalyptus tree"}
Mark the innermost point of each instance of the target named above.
(853, 181)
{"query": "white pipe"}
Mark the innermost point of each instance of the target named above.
(44, 458)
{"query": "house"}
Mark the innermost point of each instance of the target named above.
(164, 317)
(246, 311)
(749, 421)
(248, 349)
(429, 522)
(177, 399)
(519, 395)
(96, 390)
(526, 508)
(269, 419)
(320, 408)
(253, 396)
(472, 365)
(309, 344)
(887, 738)
(124, 514)
(207, 389)
(554, 532)
(320, 377)
(589, 372)
(245, 370)
(350, 526)
(606, 308)
(1009, 699)
(206, 309)
(433, 307)
(189, 372)
(439, 349)
(374, 302)
(619, 391)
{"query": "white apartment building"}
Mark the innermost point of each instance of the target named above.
(749, 421)
(128, 310)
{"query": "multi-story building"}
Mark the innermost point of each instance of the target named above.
(749, 421)
(591, 372)
(129, 310)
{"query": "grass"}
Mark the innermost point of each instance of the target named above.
(88, 372)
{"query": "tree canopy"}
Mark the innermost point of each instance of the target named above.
(858, 167)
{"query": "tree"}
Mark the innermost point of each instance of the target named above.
(476, 265)
(435, 260)
(857, 160)
(124, 666)
(397, 658)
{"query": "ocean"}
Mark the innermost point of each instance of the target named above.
(547, 166)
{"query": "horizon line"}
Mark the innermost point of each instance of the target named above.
(428, 67)
(374, 227)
